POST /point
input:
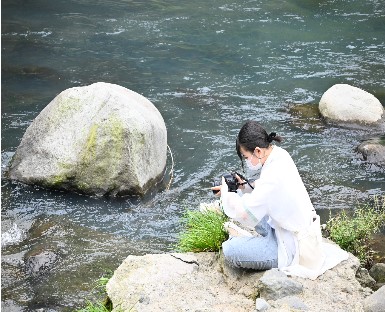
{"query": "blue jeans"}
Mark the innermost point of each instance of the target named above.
(257, 253)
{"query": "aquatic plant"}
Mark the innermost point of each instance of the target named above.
(353, 232)
(203, 231)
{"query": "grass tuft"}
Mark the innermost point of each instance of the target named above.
(94, 307)
(204, 231)
(353, 233)
(106, 305)
(101, 283)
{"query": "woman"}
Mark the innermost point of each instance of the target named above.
(279, 208)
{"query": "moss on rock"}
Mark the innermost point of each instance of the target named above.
(102, 154)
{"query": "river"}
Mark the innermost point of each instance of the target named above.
(207, 66)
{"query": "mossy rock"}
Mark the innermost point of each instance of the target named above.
(101, 139)
(306, 116)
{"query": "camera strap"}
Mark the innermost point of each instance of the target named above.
(243, 178)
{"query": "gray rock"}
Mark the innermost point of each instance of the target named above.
(346, 104)
(378, 286)
(275, 284)
(376, 301)
(364, 278)
(373, 150)
(100, 139)
(292, 302)
(377, 271)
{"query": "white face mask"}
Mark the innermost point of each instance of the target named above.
(251, 166)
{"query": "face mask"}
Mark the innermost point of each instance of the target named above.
(251, 166)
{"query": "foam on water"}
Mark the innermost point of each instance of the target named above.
(12, 236)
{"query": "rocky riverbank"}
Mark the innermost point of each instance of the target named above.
(204, 282)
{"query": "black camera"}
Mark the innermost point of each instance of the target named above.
(231, 181)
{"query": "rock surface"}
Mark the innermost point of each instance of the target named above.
(364, 278)
(376, 301)
(174, 282)
(346, 104)
(203, 282)
(101, 139)
(377, 272)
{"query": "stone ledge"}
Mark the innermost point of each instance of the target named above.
(203, 282)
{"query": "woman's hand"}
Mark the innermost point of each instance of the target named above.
(216, 190)
(241, 182)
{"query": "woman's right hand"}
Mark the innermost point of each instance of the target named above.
(241, 182)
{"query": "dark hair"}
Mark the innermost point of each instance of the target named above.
(253, 135)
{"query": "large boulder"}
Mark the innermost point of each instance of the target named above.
(101, 139)
(175, 282)
(345, 104)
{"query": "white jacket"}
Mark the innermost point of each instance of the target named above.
(281, 194)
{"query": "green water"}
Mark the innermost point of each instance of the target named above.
(207, 66)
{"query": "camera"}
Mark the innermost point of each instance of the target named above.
(231, 181)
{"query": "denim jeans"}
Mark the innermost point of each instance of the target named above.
(257, 252)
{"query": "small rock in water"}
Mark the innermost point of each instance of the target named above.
(40, 263)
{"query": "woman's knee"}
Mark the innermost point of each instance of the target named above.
(228, 249)
(240, 257)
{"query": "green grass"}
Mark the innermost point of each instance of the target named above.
(203, 231)
(94, 307)
(102, 282)
(106, 305)
(353, 233)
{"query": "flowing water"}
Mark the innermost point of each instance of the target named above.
(207, 66)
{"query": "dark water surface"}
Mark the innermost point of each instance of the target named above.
(207, 66)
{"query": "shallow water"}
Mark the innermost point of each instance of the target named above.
(207, 67)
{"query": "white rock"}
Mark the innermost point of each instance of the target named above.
(261, 305)
(345, 103)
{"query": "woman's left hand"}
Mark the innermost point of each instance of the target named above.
(216, 190)
(219, 189)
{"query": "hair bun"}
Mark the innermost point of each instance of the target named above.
(271, 137)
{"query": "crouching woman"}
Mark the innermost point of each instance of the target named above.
(278, 206)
